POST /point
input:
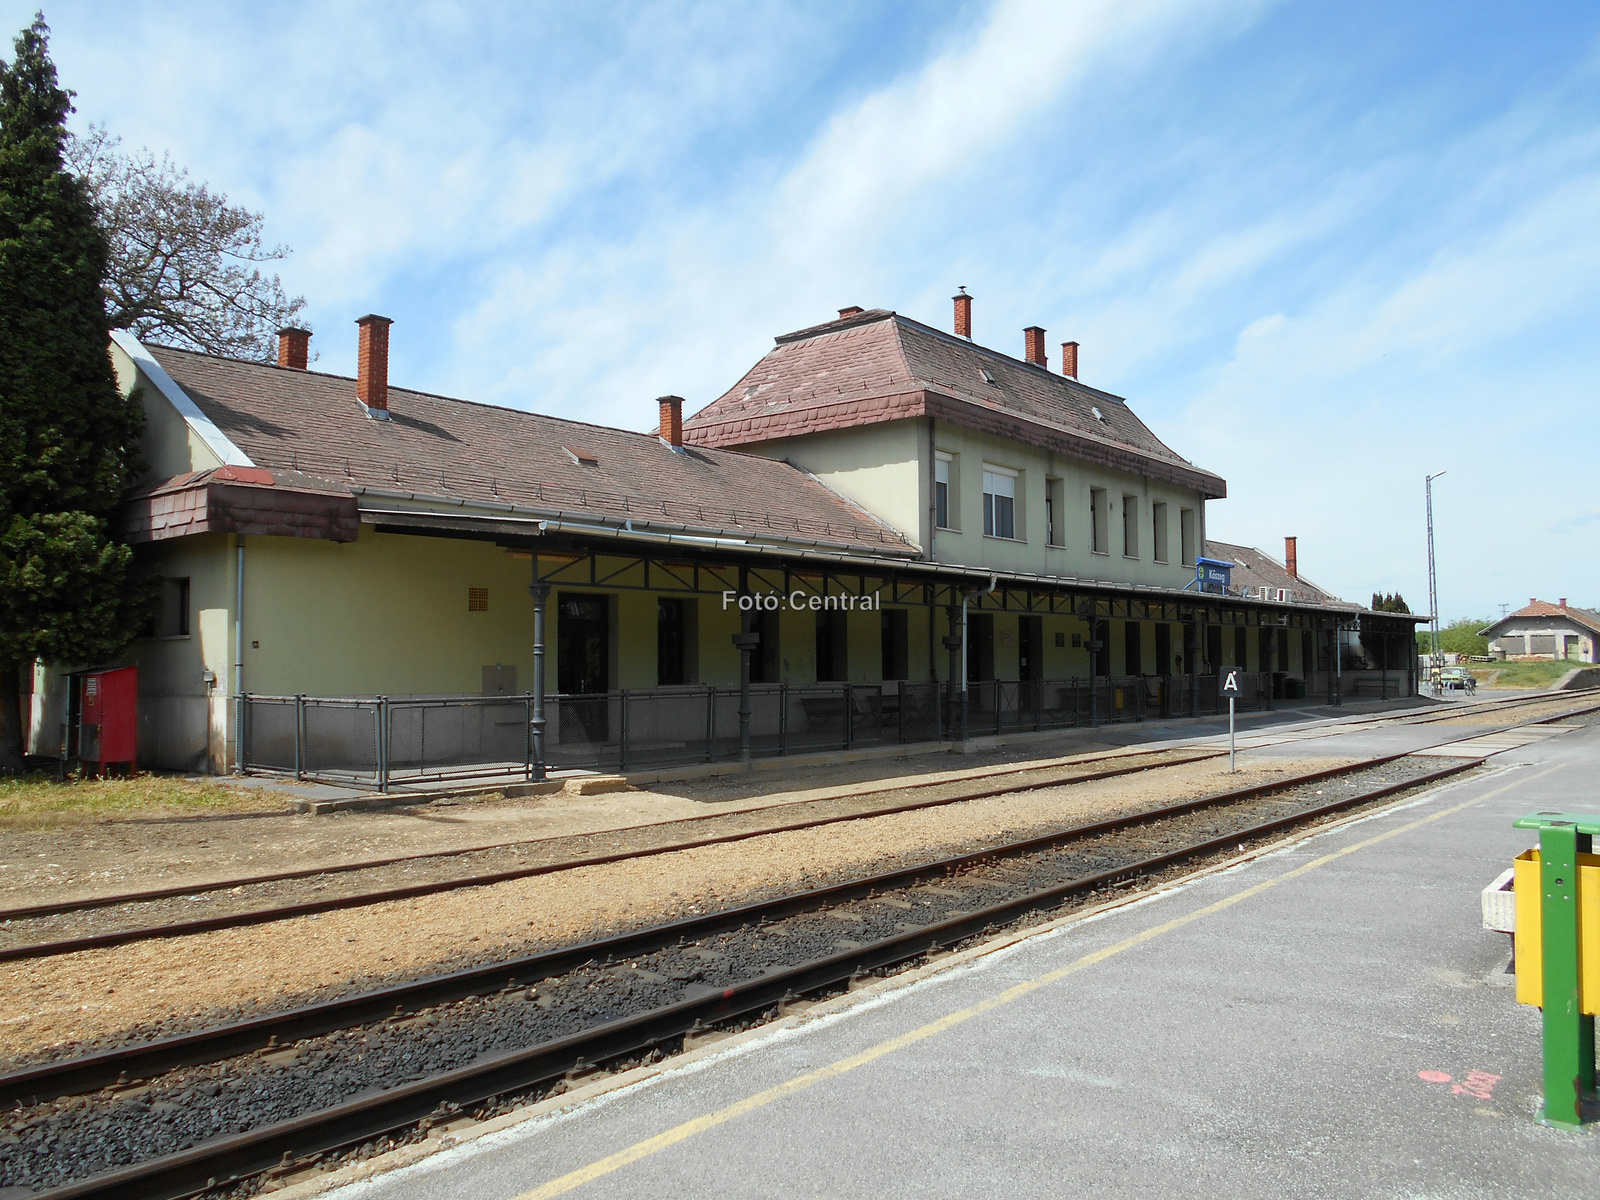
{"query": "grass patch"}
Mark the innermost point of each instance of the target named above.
(39, 800)
(1522, 674)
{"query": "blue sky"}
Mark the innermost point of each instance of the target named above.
(1323, 249)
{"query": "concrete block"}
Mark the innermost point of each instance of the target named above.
(1500, 903)
(597, 785)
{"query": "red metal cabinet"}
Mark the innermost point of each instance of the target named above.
(109, 732)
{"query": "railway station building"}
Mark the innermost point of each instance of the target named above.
(884, 532)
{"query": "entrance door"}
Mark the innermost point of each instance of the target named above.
(583, 658)
(1030, 648)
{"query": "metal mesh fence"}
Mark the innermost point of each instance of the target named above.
(387, 741)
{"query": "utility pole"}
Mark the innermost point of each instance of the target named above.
(1433, 594)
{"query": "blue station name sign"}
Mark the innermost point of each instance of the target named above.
(1213, 572)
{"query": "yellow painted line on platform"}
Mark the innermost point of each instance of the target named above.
(688, 1129)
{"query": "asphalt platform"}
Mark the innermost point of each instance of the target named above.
(1329, 1019)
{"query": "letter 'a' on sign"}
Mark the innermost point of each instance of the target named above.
(1230, 683)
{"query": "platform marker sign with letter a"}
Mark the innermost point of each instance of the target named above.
(1230, 689)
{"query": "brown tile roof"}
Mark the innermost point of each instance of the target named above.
(309, 422)
(878, 366)
(1254, 569)
(233, 499)
(1543, 608)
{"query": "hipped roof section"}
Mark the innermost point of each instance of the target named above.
(879, 366)
(312, 423)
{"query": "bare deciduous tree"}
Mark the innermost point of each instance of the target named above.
(184, 263)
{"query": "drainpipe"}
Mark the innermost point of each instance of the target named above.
(238, 659)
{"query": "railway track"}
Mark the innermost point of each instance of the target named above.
(646, 991)
(993, 783)
(1040, 778)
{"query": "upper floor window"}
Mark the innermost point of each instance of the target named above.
(1099, 520)
(1053, 533)
(1186, 535)
(1130, 526)
(999, 502)
(943, 508)
(1158, 531)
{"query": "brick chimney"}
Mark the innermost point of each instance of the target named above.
(963, 313)
(1291, 560)
(294, 347)
(671, 420)
(372, 364)
(1069, 359)
(850, 311)
(1033, 346)
(1563, 603)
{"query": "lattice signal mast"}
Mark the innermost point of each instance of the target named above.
(1433, 579)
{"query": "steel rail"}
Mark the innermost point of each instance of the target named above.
(56, 908)
(142, 1060)
(224, 1160)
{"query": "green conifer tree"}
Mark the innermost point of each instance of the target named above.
(67, 436)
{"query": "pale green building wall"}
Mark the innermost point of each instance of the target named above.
(877, 466)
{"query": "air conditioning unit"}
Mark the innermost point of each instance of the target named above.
(1265, 592)
(1285, 595)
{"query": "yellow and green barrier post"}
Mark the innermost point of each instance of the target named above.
(1558, 953)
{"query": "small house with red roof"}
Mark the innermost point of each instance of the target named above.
(1543, 630)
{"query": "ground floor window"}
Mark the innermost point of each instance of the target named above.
(833, 646)
(896, 644)
(1132, 650)
(672, 642)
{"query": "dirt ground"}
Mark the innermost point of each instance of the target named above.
(162, 986)
(80, 860)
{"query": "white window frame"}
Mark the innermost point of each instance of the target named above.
(944, 463)
(993, 510)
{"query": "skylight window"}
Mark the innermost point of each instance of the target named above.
(582, 457)
(988, 377)
(1098, 415)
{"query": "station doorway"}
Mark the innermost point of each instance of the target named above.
(583, 658)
